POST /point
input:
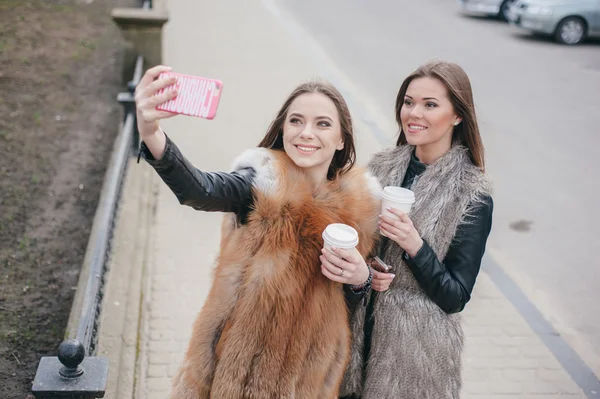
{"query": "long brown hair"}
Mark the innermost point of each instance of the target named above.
(343, 159)
(461, 96)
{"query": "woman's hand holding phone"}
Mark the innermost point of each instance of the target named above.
(382, 278)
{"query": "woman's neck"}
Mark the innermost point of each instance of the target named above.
(317, 177)
(429, 153)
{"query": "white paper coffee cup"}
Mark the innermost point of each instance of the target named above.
(398, 198)
(340, 235)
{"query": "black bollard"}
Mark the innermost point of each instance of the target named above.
(71, 374)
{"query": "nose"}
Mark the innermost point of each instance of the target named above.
(416, 111)
(307, 133)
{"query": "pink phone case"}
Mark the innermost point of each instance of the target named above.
(197, 96)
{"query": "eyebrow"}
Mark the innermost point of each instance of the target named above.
(424, 98)
(302, 116)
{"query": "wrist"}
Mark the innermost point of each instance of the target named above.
(365, 284)
(414, 251)
(151, 133)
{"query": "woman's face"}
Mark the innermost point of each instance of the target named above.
(427, 115)
(312, 133)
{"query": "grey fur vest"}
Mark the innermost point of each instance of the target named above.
(415, 346)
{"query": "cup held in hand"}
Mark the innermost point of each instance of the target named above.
(398, 198)
(340, 235)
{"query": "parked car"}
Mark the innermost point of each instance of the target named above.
(569, 21)
(495, 8)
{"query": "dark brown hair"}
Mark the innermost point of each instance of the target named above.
(343, 159)
(461, 96)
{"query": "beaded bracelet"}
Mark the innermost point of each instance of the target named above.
(364, 287)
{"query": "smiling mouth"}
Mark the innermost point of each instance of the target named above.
(416, 127)
(306, 150)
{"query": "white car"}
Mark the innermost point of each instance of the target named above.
(496, 8)
(569, 21)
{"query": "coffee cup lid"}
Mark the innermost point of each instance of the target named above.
(400, 194)
(340, 235)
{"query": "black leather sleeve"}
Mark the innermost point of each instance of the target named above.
(353, 298)
(212, 192)
(450, 283)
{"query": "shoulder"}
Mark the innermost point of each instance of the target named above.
(389, 156)
(265, 165)
(254, 158)
(387, 162)
(360, 179)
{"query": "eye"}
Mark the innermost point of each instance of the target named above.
(295, 120)
(407, 101)
(431, 105)
(324, 124)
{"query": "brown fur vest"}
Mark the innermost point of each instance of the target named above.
(273, 326)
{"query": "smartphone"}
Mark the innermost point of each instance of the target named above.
(380, 265)
(197, 96)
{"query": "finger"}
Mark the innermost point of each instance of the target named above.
(385, 278)
(379, 287)
(162, 97)
(332, 268)
(392, 221)
(390, 232)
(397, 212)
(338, 261)
(159, 84)
(331, 276)
(153, 115)
(165, 115)
(331, 256)
(388, 228)
(349, 256)
(152, 73)
(401, 215)
(377, 275)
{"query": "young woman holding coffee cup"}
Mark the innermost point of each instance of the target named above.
(407, 341)
(273, 325)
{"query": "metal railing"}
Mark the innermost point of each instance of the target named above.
(76, 372)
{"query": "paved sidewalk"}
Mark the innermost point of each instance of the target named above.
(242, 44)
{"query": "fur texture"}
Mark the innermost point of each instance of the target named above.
(415, 346)
(273, 326)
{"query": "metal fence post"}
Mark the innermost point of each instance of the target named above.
(71, 374)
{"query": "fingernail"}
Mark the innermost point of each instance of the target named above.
(393, 275)
(334, 248)
(389, 209)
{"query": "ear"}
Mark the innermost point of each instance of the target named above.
(457, 121)
(340, 146)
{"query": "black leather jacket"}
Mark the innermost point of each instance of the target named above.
(448, 282)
